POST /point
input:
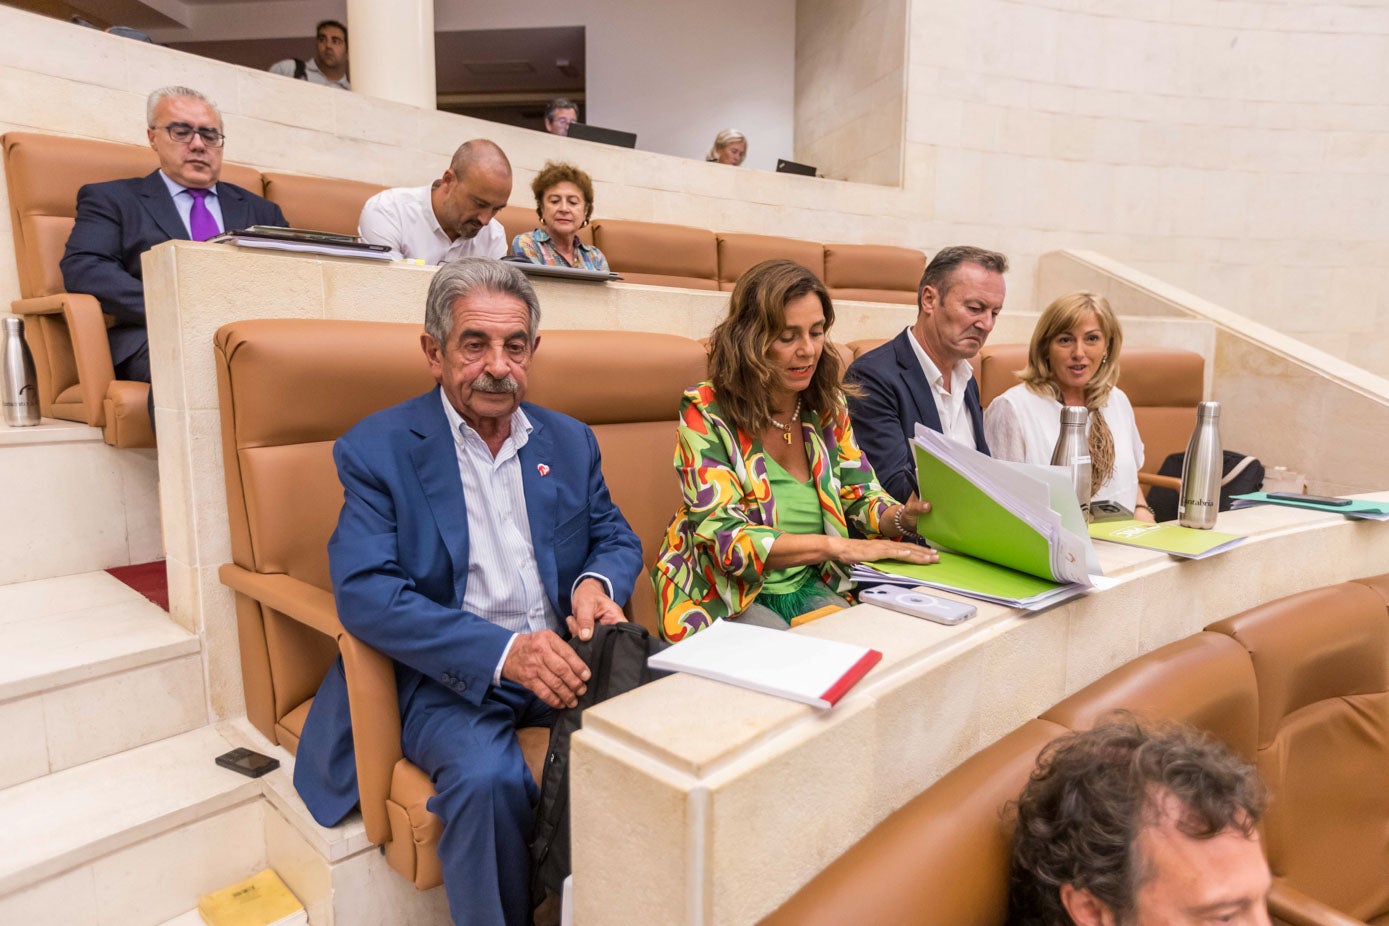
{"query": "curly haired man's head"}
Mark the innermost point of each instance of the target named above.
(1134, 825)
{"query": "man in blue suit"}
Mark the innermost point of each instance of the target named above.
(118, 221)
(476, 530)
(923, 375)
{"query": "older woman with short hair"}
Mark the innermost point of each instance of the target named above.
(730, 147)
(770, 473)
(564, 202)
(1073, 360)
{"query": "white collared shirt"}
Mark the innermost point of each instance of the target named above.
(955, 422)
(183, 201)
(403, 218)
(312, 74)
(504, 585)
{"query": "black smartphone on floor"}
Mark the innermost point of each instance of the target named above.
(248, 762)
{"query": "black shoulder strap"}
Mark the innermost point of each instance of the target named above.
(301, 71)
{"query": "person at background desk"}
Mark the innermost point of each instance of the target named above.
(1074, 360)
(564, 202)
(769, 470)
(328, 66)
(560, 114)
(730, 147)
(451, 218)
(923, 375)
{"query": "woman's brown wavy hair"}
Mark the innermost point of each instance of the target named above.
(738, 365)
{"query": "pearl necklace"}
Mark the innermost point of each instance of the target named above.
(785, 429)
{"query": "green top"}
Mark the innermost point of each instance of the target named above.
(797, 512)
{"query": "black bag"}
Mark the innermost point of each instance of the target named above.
(1242, 474)
(616, 658)
(301, 69)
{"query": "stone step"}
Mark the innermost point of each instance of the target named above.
(71, 503)
(133, 838)
(90, 668)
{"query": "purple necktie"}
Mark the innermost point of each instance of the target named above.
(201, 224)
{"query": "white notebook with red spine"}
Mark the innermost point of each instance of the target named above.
(790, 665)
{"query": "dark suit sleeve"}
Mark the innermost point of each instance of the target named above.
(614, 550)
(378, 602)
(877, 422)
(94, 261)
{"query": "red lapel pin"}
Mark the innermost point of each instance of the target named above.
(544, 470)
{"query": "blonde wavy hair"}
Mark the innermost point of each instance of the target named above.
(1061, 316)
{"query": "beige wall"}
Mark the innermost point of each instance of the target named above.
(1234, 150)
(851, 88)
(1239, 150)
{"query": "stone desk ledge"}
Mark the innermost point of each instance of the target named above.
(701, 803)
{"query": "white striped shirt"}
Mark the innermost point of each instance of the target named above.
(504, 584)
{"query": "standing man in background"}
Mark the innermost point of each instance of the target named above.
(328, 66)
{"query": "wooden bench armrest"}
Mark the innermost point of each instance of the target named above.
(294, 598)
(1164, 482)
(1289, 905)
(372, 700)
(91, 351)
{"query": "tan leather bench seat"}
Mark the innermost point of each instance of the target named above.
(657, 254)
(873, 272)
(319, 203)
(740, 253)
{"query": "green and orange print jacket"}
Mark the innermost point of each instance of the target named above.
(715, 550)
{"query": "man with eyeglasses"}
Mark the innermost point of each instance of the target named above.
(120, 220)
(560, 115)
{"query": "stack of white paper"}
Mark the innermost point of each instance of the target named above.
(806, 669)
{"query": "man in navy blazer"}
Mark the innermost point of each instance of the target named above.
(476, 533)
(120, 220)
(923, 375)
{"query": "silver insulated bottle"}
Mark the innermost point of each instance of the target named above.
(1202, 468)
(19, 387)
(1073, 450)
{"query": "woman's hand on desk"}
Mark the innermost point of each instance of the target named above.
(849, 551)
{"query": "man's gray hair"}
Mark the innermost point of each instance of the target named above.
(457, 279)
(556, 105)
(163, 93)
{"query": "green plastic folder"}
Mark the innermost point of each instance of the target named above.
(970, 576)
(1185, 542)
(1358, 508)
(968, 520)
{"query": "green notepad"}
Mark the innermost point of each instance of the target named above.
(1169, 538)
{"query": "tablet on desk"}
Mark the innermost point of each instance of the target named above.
(560, 272)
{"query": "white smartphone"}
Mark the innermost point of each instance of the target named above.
(917, 603)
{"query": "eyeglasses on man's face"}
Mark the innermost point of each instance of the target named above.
(183, 133)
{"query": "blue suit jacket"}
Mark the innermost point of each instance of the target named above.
(399, 562)
(897, 396)
(120, 220)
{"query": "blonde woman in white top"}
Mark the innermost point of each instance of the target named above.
(1073, 360)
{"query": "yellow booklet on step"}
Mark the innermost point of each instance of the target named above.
(262, 900)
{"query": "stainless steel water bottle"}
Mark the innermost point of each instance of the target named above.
(19, 387)
(1073, 450)
(1202, 468)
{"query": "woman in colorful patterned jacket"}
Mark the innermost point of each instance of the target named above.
(769, 470)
